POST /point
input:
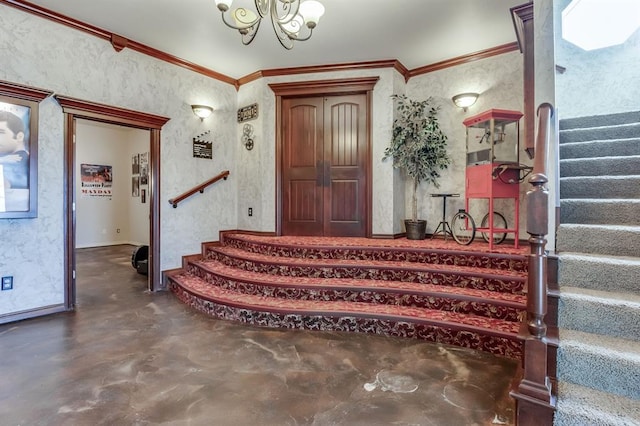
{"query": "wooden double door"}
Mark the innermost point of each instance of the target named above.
(324, 165)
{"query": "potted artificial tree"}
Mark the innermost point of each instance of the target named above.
(419, 148)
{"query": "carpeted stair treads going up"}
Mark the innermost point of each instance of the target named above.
(598, 245)
(594, 211)
(432, 290)
(607, 240)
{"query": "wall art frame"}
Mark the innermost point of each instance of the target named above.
(19, 150)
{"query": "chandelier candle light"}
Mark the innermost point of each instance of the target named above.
(288, 17)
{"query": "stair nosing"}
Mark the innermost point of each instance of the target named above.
(512, 335)
(368, 285)
(374, 264)
(459, 251)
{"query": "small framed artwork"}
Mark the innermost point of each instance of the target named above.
(135, 164)
(144, 168)
(18, 158)
(135, 186)
(143, 196)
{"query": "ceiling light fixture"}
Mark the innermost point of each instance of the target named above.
(288, 17)
(202, 111)
(465, 100)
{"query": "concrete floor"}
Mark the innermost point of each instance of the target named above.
(129, 357)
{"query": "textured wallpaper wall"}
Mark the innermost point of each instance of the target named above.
(39, 53)
(499, 81)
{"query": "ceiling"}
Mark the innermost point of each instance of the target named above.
(415, 32)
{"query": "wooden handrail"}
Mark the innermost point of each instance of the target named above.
(200, 188)
(535, 401)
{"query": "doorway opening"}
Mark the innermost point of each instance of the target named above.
(74, 110)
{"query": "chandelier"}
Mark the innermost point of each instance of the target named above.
(292, 20)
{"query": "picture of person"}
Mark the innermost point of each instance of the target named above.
(14, 156)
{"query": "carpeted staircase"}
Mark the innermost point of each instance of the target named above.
(598, 245)
(433, 289)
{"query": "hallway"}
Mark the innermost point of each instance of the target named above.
(130, 357)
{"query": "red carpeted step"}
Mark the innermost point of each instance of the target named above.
(488, 334)
(449, 275)
(490, 304)
(435, 251)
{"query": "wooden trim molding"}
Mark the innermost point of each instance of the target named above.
(119, 42)
(482, 54)
(101, 112)
(32, 313)
(519, 15)
(76, 108)
(353, 66)
(324, 87)
(523, 24)
(19, 91)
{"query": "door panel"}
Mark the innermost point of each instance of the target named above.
(345, 151)
(302, 171)
(324, 166)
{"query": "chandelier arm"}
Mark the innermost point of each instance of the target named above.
(249, 35)
(243, 27)
(289, 13)
(262, 6)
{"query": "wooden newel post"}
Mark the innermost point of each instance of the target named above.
(535, 403)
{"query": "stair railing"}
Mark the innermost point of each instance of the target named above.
(535, 402)
(200, 188)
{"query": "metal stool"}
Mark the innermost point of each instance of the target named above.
(446, 229)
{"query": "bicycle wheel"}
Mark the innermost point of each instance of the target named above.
(498, 222)
(463, 228)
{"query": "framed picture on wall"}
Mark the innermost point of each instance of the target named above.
(135, 164)
(135, 186)
(144, 168)
(18, 158)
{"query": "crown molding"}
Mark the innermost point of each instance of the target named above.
(19, 91)
(388, 63)
(119, 43)
(482, 54)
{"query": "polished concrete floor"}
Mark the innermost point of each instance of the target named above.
(130, 357)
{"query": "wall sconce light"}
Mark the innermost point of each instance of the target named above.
(202, 111)
(465, 100)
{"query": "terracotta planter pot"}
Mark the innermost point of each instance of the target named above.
(416, 230)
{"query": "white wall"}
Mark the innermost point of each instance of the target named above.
(121, 218)
(138, 224)
(40, 53)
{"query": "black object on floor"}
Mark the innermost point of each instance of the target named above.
(140, 259)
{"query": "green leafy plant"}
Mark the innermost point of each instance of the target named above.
(418, 146)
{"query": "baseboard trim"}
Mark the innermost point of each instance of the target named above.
(389, 236)
(32, 313)
(115, 243)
